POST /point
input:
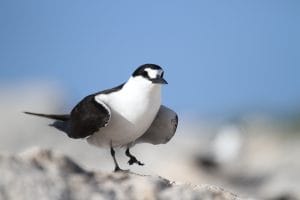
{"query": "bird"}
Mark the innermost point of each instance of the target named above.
(122, 116)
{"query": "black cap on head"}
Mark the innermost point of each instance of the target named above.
(144, 71)
(141, 69)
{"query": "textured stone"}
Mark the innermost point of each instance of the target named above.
(43, 174)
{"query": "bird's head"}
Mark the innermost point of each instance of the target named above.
(151, 73)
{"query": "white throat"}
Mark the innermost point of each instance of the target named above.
(142, 94)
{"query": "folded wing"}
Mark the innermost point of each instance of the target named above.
(162, 128)
(87, 117)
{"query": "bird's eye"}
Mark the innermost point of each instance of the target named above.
(162, 74)
(145, 74)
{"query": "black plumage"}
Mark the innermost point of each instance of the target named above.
(86, 118)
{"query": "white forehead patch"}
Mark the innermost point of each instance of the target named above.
(154, 73)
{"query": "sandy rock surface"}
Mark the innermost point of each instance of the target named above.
(44, 174)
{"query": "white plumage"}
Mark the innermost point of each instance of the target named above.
(133, 109)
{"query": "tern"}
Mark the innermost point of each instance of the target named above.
(122, 116)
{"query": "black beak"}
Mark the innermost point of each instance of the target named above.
(159, 80)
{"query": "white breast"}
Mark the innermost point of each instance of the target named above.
(133, 109)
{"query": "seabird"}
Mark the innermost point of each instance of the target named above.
(122, 116)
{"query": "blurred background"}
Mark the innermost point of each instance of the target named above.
(233, 69)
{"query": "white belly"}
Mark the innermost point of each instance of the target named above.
(129, 120)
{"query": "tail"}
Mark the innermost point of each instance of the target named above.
(50, 116)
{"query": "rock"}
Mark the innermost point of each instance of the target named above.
(43, 174)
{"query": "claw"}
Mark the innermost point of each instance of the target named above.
(133, 160)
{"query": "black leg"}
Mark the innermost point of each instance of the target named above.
(117, 168)
(132, 159)
(112, 152)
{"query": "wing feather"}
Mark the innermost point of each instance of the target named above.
(162, 128)
(87, 117)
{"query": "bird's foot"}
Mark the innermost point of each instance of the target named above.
(133, 160)
(118, 169)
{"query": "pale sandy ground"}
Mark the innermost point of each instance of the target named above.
(266, 165)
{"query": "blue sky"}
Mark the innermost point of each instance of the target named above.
(219, 56)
